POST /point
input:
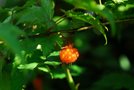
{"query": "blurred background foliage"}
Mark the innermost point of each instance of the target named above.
(32, 33)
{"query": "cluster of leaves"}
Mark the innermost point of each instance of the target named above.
(30, 37)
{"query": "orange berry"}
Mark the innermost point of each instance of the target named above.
(69, 54)
(37, 82)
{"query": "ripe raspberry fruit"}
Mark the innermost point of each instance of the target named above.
(37, 83)
(69, 54)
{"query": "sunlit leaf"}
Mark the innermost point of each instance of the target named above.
(55, 53)
(44, 69)
(29, 66)
(53, 63)
(124, 62)
(123, 8)
(118, 1)
(59, 75)
(76, 70)
(8, 19)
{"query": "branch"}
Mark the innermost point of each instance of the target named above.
(71, 30)
(105, 23)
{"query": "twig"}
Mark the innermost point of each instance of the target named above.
(90, 27)
(69, 78)
(71, 30)
(60, 19)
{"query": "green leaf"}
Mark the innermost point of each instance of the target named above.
(29, 3)
(9, 34)
(8, 19)
(32, 14)
(53, 63)
(76, 70)
(87, 17)
(126, 7)
(110, 17)
(58, 75)
(29, 66)
(91, 5)
(48, 8)
(118, 1)
(44, 69)
(55, 53)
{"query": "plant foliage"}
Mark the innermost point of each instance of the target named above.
(32, 32)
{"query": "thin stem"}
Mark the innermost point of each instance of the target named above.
(71, 30)
(69, 78)
(60, 19)
(100, 2)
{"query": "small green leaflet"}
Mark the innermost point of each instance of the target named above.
(44, 69)
(29, 66)
(53, 63)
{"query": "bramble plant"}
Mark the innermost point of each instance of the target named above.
(34, 36)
